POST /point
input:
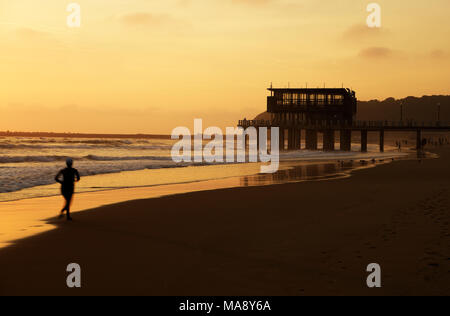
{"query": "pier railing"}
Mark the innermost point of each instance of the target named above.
(405, 125)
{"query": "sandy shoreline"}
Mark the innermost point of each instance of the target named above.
(23, 218)
(291, 239)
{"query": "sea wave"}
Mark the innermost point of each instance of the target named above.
(106, 158)
(62, 146)
(53, 158)
(73, 141)
(30, 175)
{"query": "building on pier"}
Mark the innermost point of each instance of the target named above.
(334, 106)
(328, 107)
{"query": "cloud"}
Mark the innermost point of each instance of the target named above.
(376, 53)
(359, 32)
(439, 54)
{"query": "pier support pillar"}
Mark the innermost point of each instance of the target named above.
(258, 144)
(311, 139)
(298, 139)
(294, 139)
(281, 139)
(346, 140)
(382, 141)
(291, 139)
(328, 140)
(419, 140)
(364, 141)
(288, 138)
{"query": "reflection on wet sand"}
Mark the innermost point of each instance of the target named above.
(304, 171)
(308, 172)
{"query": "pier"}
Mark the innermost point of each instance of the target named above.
(329, 112)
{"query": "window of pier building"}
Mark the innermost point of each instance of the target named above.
(292, 98)
(330, 99)
(338, 99)
(299, 98)
(287, 98)
(303, 97)
(321, 99)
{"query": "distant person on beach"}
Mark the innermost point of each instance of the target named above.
(69, 176)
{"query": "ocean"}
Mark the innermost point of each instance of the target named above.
(28, 165)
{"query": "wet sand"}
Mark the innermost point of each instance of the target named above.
(289, 239)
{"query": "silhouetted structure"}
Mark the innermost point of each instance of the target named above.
(327, 111)
(313, 105)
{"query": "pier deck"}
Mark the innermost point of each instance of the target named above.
(292, 130)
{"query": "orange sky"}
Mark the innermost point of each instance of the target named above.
(147, 66)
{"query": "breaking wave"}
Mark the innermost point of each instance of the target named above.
(53, 158)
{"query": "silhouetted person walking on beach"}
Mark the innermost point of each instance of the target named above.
(69, 177)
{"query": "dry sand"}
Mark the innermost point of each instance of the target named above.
(292, 239)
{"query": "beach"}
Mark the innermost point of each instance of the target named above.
(307, 238)
(236, 148)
